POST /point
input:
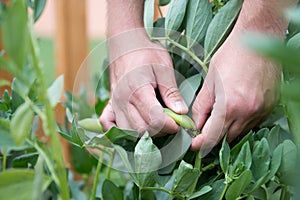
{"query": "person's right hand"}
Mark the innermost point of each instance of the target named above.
(134, 78)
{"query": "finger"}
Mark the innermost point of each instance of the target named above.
(145, 101)
(202, 106)
(168, 89)
(107, 118)
(213, 130)
(136, 120)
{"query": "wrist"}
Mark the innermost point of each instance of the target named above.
(264, 16)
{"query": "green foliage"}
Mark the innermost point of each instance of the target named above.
(261, 165)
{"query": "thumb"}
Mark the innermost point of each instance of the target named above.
(168, 89)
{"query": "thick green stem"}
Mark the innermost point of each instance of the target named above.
(108, 172)
(4, 159)
(197, 165)
(49, 125)
(96, 180)
(224, 191)
(187, 50)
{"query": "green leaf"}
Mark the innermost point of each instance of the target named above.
(244, 157)
(185, 176)
(189, 87)
(149, 16)
(147, 159)
(276, 160)
(224, 156)
(294, 42)
(239, 185)
(21, 122)
(201, 192)
(38, 179)
(288, 165)
(55, 90)
(163, 2)
(15, 32)
(216, 192)
(175, 16)
(220, 26)
(82, 161)
(115, 134)
(237, 148)
(111, 191)
(260, 158)
(25, 160)
(199, 15)
(259, 182)
(39, 6)
(18, 184)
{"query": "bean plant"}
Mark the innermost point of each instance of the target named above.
(129, 165)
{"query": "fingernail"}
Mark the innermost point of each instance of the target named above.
(180, 107)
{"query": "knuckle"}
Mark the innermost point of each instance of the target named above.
(172, 92)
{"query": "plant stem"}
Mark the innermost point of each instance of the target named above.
(110, 165)
(96, 180)
(210, 166)
(224, 191)
(197, 165)
(49, 125)
(47, 160)
(187, 50)
(159, 10)
(283, 193)
(4, 159)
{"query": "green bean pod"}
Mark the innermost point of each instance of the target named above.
(183, 120)
(91, 124)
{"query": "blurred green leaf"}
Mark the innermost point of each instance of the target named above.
(175, 16)
(198, 16)
(258, 183)
(236, 149)
(260, 158)
(25, 160)
(224, 156)
(149, 16)
(147, 159)
(294, 42)
(55, 90)
(239, 185)
(15, 32)
(185, 176)
(82, 161)
(111, 191)
(21, 122)
(220, 26)
(189, 87)
(18, 184)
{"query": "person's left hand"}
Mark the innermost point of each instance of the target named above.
(239, 91)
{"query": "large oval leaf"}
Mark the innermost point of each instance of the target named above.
(199, 15)
(175, 15)
(21, 122)
(149, 16)
(220, 26)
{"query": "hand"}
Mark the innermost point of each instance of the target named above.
(134, 78)
(239, 91)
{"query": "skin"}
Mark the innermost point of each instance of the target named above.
(240, 88)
